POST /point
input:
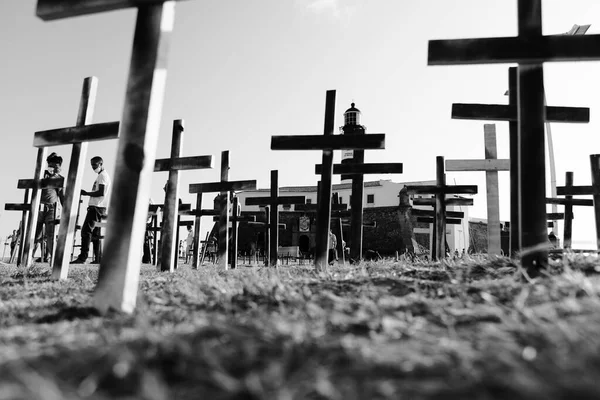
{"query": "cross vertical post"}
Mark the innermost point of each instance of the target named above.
(515, 186)
(34, 212)
(118, 276)
(197, 221)
(268, 236)
(223, 237)
(356, 209)
(324, 205)
(274, 220)
(595, 164)
(440, 209)
(24, 222)
(168, 238)
(568, 228)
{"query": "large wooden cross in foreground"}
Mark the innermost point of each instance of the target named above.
(118, 277)
(529, 49)
(274, 201)
(440, 190)
(326, 143)
(491, 165)
(170, 226)
(79, 136)
(509, 113)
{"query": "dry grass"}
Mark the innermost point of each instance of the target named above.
(468, 329)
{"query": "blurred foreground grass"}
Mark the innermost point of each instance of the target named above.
(472, 328)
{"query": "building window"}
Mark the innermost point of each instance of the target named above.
(287, 206)
(370, 199)
(341, 200)
(308, 201)
(351, 118)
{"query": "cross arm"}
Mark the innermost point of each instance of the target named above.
(222, 186)
(431, 189)
(537, 49)
(49, 10)
(573, 202)
(478, 165)
(76, 134)
(500, 112)
(430, 213)
(313, 207)
(46, 183)
(575, 190)
(265, 201)
(17, 207)
(450, 201)
(431, 220)
(183, 163)
(360, 169)
(201, 213)
(555, 216)
(374, 141)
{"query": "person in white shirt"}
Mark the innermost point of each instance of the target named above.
(96, 210)
(189, 244)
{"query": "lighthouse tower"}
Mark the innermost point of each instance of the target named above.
(351, 126)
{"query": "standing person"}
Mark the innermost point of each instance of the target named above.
(51, 200)
(189, 244)
(332, 247)
(96, 209)
(13, 241)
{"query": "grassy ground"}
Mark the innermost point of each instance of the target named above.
(467, 329)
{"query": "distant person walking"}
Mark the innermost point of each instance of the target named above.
(96, 209)
(51, 200)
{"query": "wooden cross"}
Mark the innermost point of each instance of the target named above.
(78, 136)
(274, 201)
(440, 190)
(236, 218)
(593, 190)
(198, 213)
(170, 228)
(118, 276)
(529, 49)
(491, 165)
(357, 169)
(569, 202)
(182, 209)
(509, 113)
(223, 187)
(35, 185)
(25, 208)
(327, 143)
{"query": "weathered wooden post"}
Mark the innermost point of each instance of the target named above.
(119, 270)
(274, 201)
(170, 226)
(491, 165)
(78, 136)
(326, 143)
(440, 190)
(509, 113)
(529, 49)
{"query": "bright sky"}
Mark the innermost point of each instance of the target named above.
(241, 71)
